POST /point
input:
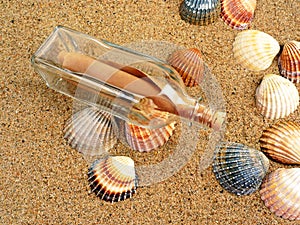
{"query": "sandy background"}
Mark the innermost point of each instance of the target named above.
(43, 180)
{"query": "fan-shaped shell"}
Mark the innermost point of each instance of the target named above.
(144, 139)
(289, 61)
(276, 97)
(90, 131)
(113, 178)
(189, 64)
(280, 192)
(281, 142)
(238, 168)
(255, 50)
(200, 12)
(238, 14)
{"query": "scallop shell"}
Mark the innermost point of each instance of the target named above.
(255, 50)
(113, 178)
(276, 97)
(90, 131)
(289, 61)
(144, 139)
(189, 64)
(200, 12)
(238, 168)
(281, 142)
(280, 192)
(238, 14)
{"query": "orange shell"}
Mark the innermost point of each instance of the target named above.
(238, 14)
(189, 64)
(289, 61)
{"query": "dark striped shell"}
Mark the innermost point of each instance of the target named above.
(238, 168)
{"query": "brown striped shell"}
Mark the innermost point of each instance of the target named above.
(238, 14)
(113, 178)
(280, 192)
(189, 64)
(276, 97)
(281, 142)
(289, 61)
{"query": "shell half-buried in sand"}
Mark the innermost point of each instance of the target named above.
(239, 168)
(281, 142)
(113, 178)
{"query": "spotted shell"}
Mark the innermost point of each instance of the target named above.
(281, 142)
(90, 131)
(144, 139)
(276, 97)
(289, 61)
(113, 178)
(238, 14)
(280, 192)
(255, 50)
(189, 64)
(200, 12)
(239, 168)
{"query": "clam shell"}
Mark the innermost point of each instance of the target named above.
(239, 168)
(189, 64)
(144, 139)
(113, 178)
(280, 192)
(238, 14)
(90, 131)
(276, 97)
(255, 50)
(289, 61)
(200, 12)
(281, 142)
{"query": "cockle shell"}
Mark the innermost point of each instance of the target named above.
(280, 192)
(189, 64)
(289, 61)
(113, 178)
(238, 14)
(281, 142)
(144, 139)
(276, 97)
(90, 131)
(200, 12)
(239, 168)
(255, 50)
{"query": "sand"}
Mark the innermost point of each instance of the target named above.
(44, 181)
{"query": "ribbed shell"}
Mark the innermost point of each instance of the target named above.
(276, 97)
(289, 61)
(239, 168)
(145, 140)
(113, 178)
(280, 192)
(90, 132)
(200, 12)
(238, 14)
(255, 50)
(281, 142)
(189, 64)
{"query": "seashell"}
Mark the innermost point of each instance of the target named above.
(239, 168)
(189, 64)
(280, 192)
(90, 131)
(276, 97)
(255, 50)
(113, 178)
(289, 61)
(238, 14)
(281, 142)
(144, 139)
(200, 12)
